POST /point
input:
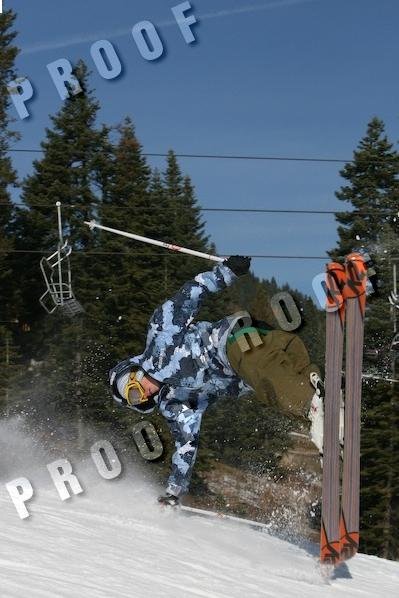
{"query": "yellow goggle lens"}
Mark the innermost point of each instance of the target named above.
(134, 392)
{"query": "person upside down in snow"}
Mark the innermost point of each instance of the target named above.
(187, 365)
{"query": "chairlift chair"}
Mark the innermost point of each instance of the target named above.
(56, 271)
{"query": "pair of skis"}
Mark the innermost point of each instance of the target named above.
(345, 307)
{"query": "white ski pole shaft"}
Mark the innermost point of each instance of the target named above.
(122, 233)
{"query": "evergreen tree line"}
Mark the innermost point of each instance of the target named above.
(8, 178)
(53, 369)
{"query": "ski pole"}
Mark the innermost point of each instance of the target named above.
(93, 224)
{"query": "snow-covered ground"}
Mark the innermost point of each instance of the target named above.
(113, 541)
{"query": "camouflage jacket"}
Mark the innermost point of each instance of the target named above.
(189, 358)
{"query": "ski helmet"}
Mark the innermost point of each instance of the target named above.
(126, 389)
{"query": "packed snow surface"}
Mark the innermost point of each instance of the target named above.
(113, 541)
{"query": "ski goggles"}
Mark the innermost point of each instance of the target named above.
(134, 392)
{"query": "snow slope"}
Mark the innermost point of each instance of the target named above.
(114, 541)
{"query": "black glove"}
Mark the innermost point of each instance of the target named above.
(373, 281)
(238, 264)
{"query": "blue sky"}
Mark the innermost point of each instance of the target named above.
(266, 77)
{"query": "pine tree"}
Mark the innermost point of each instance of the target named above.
(8, 178)
(131, 283)
(380, 481)
(66, 173)
(163, 217)
(173, 183)
(372, 177)
(372, 188)
(130, 276)
(187, 229)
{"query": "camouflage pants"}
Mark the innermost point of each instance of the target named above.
(184, 424)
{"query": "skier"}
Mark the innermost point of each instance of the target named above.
(188, 365)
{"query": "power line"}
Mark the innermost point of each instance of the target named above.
(222, 157)
(237, 157)
(134, 254)
(239, 210)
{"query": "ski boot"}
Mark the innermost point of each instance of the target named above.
(316, 415)
(316, 412)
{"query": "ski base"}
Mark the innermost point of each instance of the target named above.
(345, 306)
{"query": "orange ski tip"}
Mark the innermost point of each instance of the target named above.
(356, 272)
(330, 552)
(337, 270)
(335, 282)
